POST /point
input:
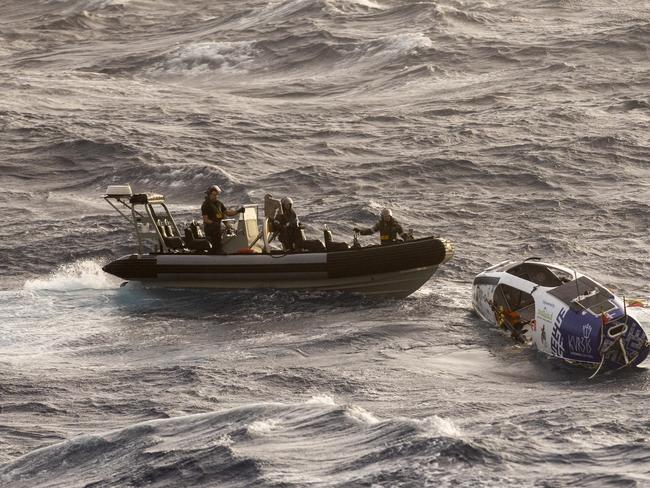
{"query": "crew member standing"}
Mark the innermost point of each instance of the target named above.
(388, 228)
(213, 211)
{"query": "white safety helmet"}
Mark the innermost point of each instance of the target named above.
(214, 188)
(287, 202)
(385, 213)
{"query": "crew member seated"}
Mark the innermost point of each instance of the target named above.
(287, 225)
(388, 228)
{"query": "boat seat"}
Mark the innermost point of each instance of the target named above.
(174, 242)
(330, 245)
(195, 229)
(196, 244)
(268, 232)
(337, 246)
(312, 245)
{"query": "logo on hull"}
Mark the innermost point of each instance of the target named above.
(557, 345)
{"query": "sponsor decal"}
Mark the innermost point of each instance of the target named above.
(557, 345)
(580, 335)
(548, 304)
(581, 345)
(545, 315)
(544, 334)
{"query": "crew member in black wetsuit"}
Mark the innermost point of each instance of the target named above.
(213, 211)
(388, 228)
(286, 223)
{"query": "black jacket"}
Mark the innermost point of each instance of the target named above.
(286, 219)
(215, 211)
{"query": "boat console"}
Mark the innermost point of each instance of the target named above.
(154, 224)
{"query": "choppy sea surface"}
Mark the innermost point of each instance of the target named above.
(513, 128)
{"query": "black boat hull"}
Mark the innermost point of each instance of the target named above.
(393, 270)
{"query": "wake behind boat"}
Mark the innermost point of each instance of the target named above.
(249, 260)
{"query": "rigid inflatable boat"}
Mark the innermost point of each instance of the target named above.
(168, 258)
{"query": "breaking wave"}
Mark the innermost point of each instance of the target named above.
(234, 58)
(258, 443)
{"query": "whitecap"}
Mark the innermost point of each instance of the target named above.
(344, 6)
(361, 415)
(321, 399)
(262, 427)
(407, 42)
(439, 426)
(234, 57)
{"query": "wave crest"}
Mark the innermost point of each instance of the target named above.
(257, 443)
(226, 57)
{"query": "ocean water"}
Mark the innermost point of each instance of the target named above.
(513, 128)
